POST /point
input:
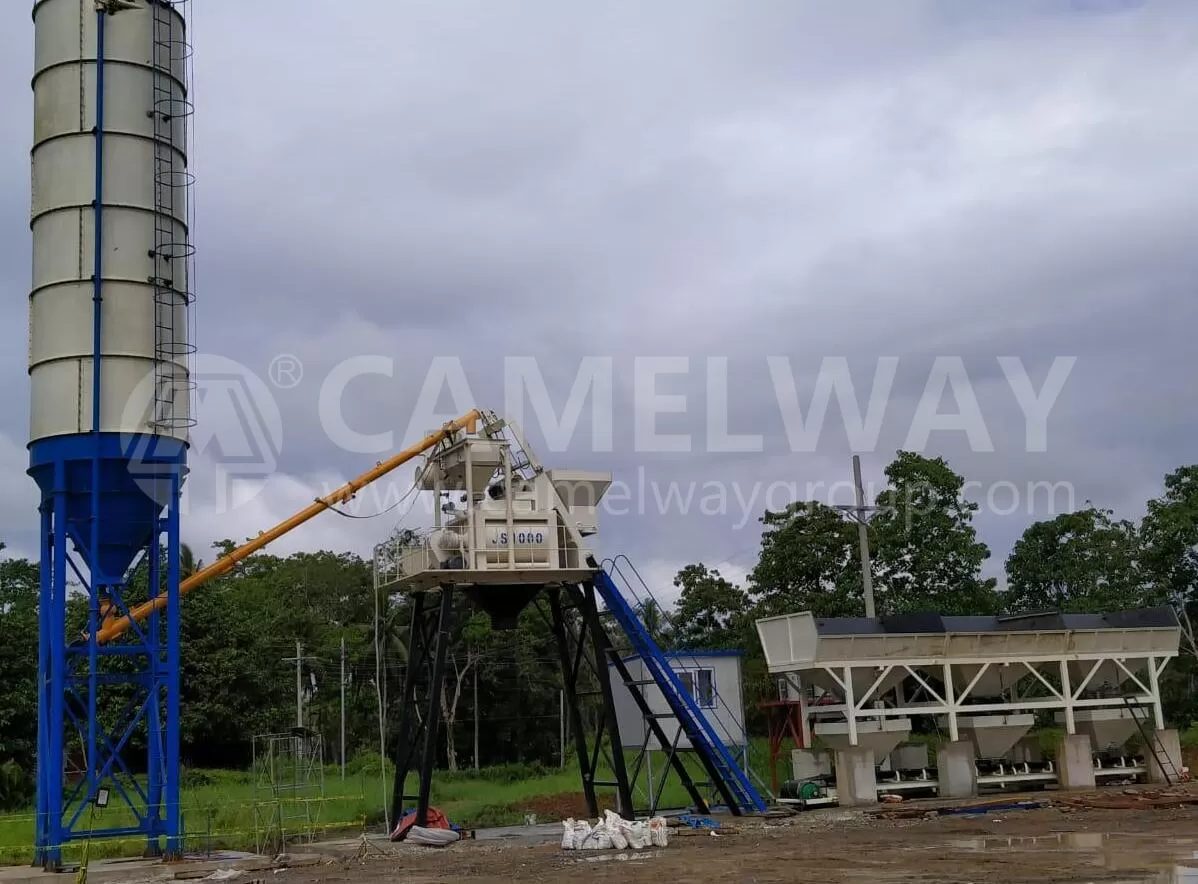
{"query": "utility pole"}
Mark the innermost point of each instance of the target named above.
(867, 580)
(860, 513)
(475, 705)
(299, 682)
(343, 708)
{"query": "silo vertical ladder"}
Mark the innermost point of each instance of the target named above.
(727, 776)
(171, 250)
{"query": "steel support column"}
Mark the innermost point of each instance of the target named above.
(428, 647)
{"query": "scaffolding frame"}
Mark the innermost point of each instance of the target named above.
(288, 775)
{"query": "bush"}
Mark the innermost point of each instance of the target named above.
(193, 779)
(492, 815)
(515, 772)
(17, 788)
(370, 763)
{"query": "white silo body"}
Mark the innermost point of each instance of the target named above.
(144, 249)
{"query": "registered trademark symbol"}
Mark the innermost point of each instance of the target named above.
(286, 371)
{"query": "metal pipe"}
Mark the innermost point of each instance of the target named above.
(172, 598)
(509, 512)
(226, 563)
(155, 768)
(94, 577)
(98, 260)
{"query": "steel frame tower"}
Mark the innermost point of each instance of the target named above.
(109, 369)
(522, 535)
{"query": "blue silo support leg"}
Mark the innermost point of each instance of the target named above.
(93, 683)
(174, 818)
(56, 722)
(44, 628)
(154, 748)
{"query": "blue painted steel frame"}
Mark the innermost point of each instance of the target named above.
(107, 501)
(75, 677)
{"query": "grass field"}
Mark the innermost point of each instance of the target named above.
(223, 809)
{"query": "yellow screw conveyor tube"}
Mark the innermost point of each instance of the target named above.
(115, 627)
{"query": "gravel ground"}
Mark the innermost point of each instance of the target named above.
(1056, 844)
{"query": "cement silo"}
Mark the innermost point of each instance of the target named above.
(111, 392)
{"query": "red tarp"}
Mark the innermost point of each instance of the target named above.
(436, 820)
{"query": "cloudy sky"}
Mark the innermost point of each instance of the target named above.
(780, 185)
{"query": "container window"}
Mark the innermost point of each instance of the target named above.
(700, 684)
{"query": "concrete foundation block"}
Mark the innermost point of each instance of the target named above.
(1168, 745)
(856, 781)
(808, 764)
(956, 770)
(1075, 762)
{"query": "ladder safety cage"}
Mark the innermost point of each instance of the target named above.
(171, 250)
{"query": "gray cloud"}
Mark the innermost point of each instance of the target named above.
(861, 179)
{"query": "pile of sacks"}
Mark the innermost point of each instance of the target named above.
(615, 831)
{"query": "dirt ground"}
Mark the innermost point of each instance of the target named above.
(1055, 844)
(1028, 846)
(556, 807)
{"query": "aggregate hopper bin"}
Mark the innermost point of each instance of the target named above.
(1107, 728)
(992, 736)
(880, 735)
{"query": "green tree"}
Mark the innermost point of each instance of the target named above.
(1081, 561)
(1169, 556)
(711, 610)
(472, 638)
(808, 562)
(656, 623)
(188, 563)
(19, 586)
(1170, 537)
(926, 550)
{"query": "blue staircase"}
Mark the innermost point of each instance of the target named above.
(727, 776)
